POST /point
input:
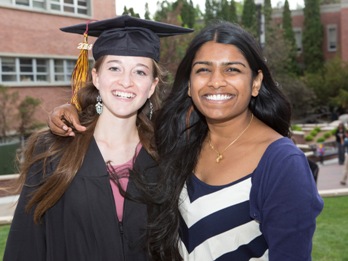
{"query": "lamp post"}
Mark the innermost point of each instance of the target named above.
(260, 23)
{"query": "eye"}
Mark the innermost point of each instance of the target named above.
(232, 69)
(114, 68)
(141, 72)
(202, 70)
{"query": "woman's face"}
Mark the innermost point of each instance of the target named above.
(221, 82)
(124, 83)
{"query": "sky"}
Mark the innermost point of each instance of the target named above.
(139, 5)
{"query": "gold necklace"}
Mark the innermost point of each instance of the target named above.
(220, 154)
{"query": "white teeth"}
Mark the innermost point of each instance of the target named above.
(218, 97)
(124, 94)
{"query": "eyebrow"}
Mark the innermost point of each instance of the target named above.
(224, 63)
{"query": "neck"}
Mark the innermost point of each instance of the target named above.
(116, 131)
(224, 133)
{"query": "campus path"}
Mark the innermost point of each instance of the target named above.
(329, 177)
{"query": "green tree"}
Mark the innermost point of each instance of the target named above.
(330, 83)
(227, 11)
(299, 94)
(188, 12)
(147, 12)
(173, 49)
(249, 17)
(27, 109)
(210, 11)
(312, 37)
(289, 37)
(130, 12)
(8, 105)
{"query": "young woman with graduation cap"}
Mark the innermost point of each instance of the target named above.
(82, 198)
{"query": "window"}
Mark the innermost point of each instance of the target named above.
(79, 7)
(35, 70)
(332, 38)
(63, 70)
(35, 4)
(8, 70)
(298, 39)
(70, 6)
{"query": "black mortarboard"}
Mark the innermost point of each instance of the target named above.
(127, 36)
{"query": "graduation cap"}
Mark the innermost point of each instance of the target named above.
(123, 35)
(127, 36)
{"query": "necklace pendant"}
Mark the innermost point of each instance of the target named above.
(219, 158)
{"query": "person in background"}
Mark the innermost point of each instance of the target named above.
(234, 186)
(340, 135)
(83, 197)
(321, 152)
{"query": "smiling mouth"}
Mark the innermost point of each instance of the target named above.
(218, 97)
(126, 95)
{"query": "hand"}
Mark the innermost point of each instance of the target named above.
(59, 119)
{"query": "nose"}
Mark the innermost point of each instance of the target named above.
(217, 81)
(125, 80)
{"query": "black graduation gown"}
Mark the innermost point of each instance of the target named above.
(83, 224)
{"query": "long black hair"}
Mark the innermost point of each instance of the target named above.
(181, 129)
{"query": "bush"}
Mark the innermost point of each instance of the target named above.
(321, 139)
(327, 135)
(296, 128)
(309, 138)
(314, 132)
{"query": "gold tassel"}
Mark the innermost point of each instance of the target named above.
(80, 73)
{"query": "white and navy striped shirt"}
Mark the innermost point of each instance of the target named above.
(216, 223)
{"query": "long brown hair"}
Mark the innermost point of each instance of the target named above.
(44, 148)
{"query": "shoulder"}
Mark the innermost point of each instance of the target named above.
(282, 164)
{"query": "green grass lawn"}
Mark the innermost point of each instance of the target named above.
(330, 239)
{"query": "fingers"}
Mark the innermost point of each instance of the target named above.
(64, 121)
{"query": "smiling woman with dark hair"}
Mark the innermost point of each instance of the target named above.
(236, 186)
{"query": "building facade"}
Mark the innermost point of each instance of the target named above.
(36, 58)
(334, 18)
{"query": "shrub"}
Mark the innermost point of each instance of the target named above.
(309, 138)
(327, 134)
(296, 128)
(313, 132)
(321, 139)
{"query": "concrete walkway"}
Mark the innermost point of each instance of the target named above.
(328, 183)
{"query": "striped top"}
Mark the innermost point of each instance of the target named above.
(216, 224)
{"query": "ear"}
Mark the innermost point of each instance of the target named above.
(257, 83)
(189, 89)
(153, 87)
(95, 78)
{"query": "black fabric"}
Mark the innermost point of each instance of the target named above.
(83, 225)
(127, 36)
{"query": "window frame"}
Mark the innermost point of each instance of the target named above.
(34, 70)
(329, 39)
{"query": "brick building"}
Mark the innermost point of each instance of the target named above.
(334, 18)
(36, 58)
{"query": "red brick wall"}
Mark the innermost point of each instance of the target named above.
(344, 30)
(50, 97)
(336, 14)
(37, 34)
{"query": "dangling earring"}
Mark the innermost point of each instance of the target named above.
(99, 105)
(151, 109)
